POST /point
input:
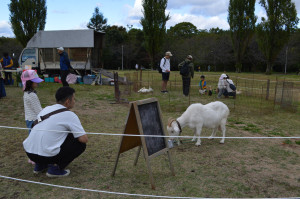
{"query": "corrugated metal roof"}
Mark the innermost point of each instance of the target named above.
(63, 38)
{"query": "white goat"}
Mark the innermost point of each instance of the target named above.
(213, 115)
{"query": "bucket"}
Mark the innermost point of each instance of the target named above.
(56, 79)
(88, 79)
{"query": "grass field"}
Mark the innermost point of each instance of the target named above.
(239, 168)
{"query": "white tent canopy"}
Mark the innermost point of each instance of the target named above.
(62, 38)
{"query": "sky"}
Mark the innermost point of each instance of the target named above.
(75, 14)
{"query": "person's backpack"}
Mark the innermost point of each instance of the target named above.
(184, 70)
(159, 68)
(232, 86)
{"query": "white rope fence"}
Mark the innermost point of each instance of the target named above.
(157, 136)
(114, 134)
(93, 190)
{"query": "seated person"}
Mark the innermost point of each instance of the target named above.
(202, 85)
(221, 85)
(229, 89)
(56, 148)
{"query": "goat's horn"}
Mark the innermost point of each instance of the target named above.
(170, 120)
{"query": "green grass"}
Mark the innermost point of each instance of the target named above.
(239, 168)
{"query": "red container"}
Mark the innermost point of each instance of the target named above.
(59, 81)
(56, 79)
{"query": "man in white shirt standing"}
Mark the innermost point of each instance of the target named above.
(165, 67)
(56, 141)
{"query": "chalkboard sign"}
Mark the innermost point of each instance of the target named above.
(144, 118)
(151, 124)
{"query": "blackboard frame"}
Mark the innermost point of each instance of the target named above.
(134, 125)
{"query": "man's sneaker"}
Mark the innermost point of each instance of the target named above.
(55, 171)
(39, 168)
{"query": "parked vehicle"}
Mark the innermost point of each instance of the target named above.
(84, 48)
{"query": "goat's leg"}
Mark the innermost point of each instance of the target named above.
(194, 138)
(213, 134)
(178, 141)
(223, 128)
(198, 133)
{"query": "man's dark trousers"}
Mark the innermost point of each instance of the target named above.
(63, 76)
(186, 82)
(69, 150)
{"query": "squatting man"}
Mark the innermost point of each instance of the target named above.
(53, 148)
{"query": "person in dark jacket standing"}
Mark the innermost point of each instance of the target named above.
(186, 79)
(64, 65)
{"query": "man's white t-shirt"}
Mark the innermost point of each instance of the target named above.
(45, 138)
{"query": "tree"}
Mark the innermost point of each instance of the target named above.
(241, 19)
(154, 25)
(26, 18)
(273, 33)
(183, 30)
(97, 22)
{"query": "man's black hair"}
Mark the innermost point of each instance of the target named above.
(202, 76)
(5, 54)
(227, 77)
(64, 93)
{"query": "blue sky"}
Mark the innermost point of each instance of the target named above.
(74, 14)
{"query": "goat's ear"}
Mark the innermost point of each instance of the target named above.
(170, 121)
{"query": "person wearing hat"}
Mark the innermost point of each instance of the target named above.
(166, 69)
(186, 77)
(7, 64)
(32, 105)
(64, 65)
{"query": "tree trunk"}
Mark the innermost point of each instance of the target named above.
(238, 67)
(269, 68)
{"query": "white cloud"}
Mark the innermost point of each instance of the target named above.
(178, 4)
(200, 22)
(59, 12)
(204, 14)
(134, 13)
(5, 29)
(82, 25)
(201, 7)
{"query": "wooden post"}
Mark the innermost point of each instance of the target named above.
(117, 90)
(261, 98)
(268, 89)
(175, 81)
(141, 77)
(283, 85)
(275, 94)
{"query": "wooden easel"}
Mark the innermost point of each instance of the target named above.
(139, 123)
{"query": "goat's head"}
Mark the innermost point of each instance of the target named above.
(173, 128)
